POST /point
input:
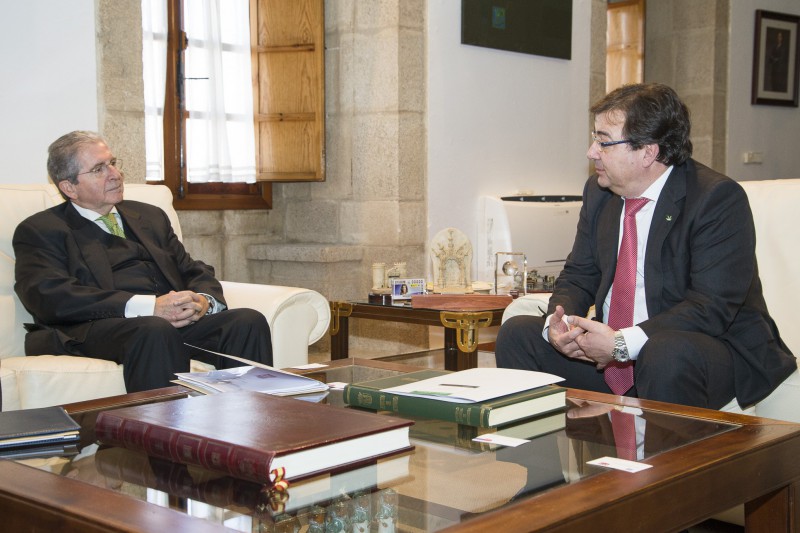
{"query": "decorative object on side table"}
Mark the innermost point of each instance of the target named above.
(383, 277)
(510, 273)
(451, 255)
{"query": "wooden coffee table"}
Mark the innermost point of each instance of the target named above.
(703, 462)
(460, 327)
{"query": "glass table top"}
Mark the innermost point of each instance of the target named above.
(447, 479)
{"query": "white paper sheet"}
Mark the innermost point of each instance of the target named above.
(476, 384)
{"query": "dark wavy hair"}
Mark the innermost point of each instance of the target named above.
(62, 160)
(653, 115)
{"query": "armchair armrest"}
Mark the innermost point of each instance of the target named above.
(297, 317)
(534, 304)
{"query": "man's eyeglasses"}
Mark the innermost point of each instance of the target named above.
(602, 145)
(103, 169)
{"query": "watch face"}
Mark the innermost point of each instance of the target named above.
(620, 351)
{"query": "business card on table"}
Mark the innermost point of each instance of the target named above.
(503, 440)
(620, 464)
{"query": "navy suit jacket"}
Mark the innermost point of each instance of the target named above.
(700, 271)
(63, 274)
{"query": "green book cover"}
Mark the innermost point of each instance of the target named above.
(502, 410)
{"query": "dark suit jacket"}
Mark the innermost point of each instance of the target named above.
(700, 271)
(63, 275)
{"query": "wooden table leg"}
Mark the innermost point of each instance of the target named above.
(773, 512)
(340, 330)
(461, 338)
(454, 358)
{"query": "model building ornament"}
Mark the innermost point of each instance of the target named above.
(451, 255)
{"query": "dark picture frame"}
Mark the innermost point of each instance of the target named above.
(776, 63)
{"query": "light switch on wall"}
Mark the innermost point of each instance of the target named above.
(750, 158)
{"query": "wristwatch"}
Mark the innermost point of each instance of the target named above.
(212, 303)
(620, 351)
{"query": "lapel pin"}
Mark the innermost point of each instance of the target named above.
(669, 218)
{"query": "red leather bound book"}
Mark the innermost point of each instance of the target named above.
(250, 434)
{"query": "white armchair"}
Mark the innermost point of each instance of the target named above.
(297, 317)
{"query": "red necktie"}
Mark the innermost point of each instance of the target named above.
(619, 376)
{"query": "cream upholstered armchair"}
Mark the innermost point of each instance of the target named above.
(774, 205)
(297, 317)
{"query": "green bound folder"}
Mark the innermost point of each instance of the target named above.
(491, 413)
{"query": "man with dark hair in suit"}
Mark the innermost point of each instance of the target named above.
(697, 330)
(108, 278)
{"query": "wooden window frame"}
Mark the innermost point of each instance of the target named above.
(305, 166)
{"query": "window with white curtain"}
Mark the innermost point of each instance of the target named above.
(218, 98)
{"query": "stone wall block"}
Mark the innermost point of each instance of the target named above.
(316, 221)
(340, 15)
(412, 162)
(370, 222)
(346, 76)
(412, 14)
(692, 14)
(375, 71)
(694, 61)
(199, 223)
(411, 69)
(413, 222)
(377, 14)
(375, 157)
(237, 265)
(208, 249)
(338, 184)
(701, 110)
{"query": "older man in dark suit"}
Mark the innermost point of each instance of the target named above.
(680, 316)
(108, 278)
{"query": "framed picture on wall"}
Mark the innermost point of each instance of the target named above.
(776, 64)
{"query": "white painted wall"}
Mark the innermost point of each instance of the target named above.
(501, 122)
(772, 130)
(48, 68)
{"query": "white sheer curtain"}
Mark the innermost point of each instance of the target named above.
(154, 63)
(219, 130)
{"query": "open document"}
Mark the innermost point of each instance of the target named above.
(251, 377)
(476, 384)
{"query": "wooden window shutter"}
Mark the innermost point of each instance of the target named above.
(289, 89)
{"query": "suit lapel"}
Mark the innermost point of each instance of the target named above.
(144, 231)
(665, 216)
(608, 243)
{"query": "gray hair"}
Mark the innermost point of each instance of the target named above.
(62, 159)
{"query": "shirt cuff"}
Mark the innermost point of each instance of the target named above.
(140, 305)
(635, 337)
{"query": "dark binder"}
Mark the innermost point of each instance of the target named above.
(39, 432)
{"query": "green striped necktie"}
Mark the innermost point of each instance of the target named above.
(111, 223)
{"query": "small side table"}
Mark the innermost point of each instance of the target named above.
(460, 333)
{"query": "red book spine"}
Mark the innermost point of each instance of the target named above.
(174, 445)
